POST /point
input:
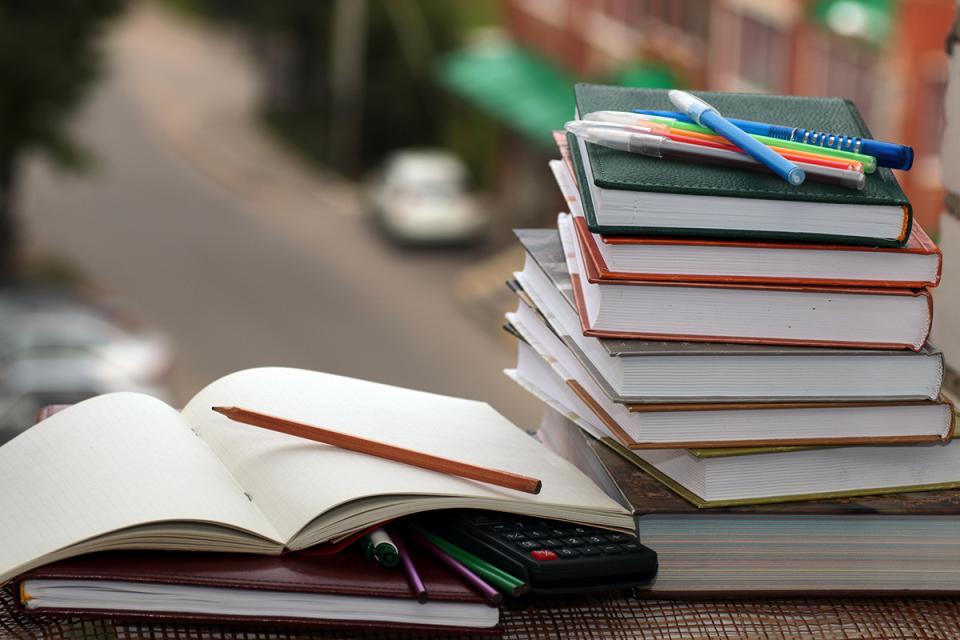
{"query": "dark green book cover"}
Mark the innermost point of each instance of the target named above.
(625, 171)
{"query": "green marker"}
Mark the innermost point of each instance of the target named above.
(378, 546)
(496, 576)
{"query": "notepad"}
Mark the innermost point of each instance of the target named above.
(126, 471)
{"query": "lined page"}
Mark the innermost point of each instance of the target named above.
(109, 463)
(293, 480)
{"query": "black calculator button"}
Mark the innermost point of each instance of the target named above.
(630, 546)
(589, 550)
(611, 549)
(618, 537)
(551, 543)
(535, 534)
(578, 530)
(596, 539)
(501, 526)
(528, 545)
(574, 542)
(567, 552)
(514, 536)
(557, 532)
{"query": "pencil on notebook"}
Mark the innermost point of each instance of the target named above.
(382, 450)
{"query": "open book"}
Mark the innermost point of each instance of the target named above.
(126, 471)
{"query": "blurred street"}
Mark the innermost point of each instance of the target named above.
(243, 255)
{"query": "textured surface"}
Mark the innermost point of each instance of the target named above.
(596, 618)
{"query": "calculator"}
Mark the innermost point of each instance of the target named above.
(551, 556)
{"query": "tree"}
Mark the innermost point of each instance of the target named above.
(49, 59)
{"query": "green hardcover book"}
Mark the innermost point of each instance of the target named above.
(630, 194)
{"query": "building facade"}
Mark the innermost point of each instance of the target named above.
(888, 56)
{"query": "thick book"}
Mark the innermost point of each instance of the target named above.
(644, 371)
(127, 471)
(625, 193)
(870, 545)
(343, 590)
(544, 362)
(676, 259)
(743, 313)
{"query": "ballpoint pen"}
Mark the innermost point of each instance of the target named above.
(687, 127)
(888, 154)
(703, 114)
(658, 146)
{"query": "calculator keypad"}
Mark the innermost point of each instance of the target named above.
(545, 540)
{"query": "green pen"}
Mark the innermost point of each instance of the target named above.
(498, 577)
(625, 117)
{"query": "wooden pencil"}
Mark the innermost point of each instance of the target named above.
(382, 450)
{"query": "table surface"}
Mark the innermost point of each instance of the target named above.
(619, 617)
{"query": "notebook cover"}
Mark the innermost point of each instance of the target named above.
(592, 276)
(619, 170)
(919, 243)
(347, 573)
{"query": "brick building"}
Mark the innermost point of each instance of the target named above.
(886, 55)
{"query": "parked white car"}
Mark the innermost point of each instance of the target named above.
(422, 197)
(56, 348)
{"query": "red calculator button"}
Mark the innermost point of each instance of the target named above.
(543, 554)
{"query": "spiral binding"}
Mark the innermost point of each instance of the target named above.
(819, 138)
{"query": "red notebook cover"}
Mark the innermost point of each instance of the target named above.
(919, 243)
(347, 573)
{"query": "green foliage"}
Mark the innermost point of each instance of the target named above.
(48, 60)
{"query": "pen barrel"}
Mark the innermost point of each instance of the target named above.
(829, 175)
(888, 154)
(777, 163)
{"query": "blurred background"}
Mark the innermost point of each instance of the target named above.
(191, 187)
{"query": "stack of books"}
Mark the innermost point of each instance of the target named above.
(735, 358)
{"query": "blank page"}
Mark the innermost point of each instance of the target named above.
(109, 463)
(293, 481)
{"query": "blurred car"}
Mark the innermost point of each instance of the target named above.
(57, 348)
(420, 196)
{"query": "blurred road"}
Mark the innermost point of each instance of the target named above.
(243, 256)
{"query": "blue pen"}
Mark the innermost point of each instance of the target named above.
(888, 154)
(706, 116)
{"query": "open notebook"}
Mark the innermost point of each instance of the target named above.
(126, 471)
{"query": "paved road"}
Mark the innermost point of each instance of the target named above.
(236, 287)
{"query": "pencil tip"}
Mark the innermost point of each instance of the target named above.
(422, 597)
(222, 410)
(539, 486)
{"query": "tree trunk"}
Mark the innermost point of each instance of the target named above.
(8, 222)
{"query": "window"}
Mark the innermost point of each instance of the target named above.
(762, 55)
(932, 95)
(849, 71)
(691, 17)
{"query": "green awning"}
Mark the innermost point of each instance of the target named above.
(651, 76)
(527, 93)
(868, 20)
